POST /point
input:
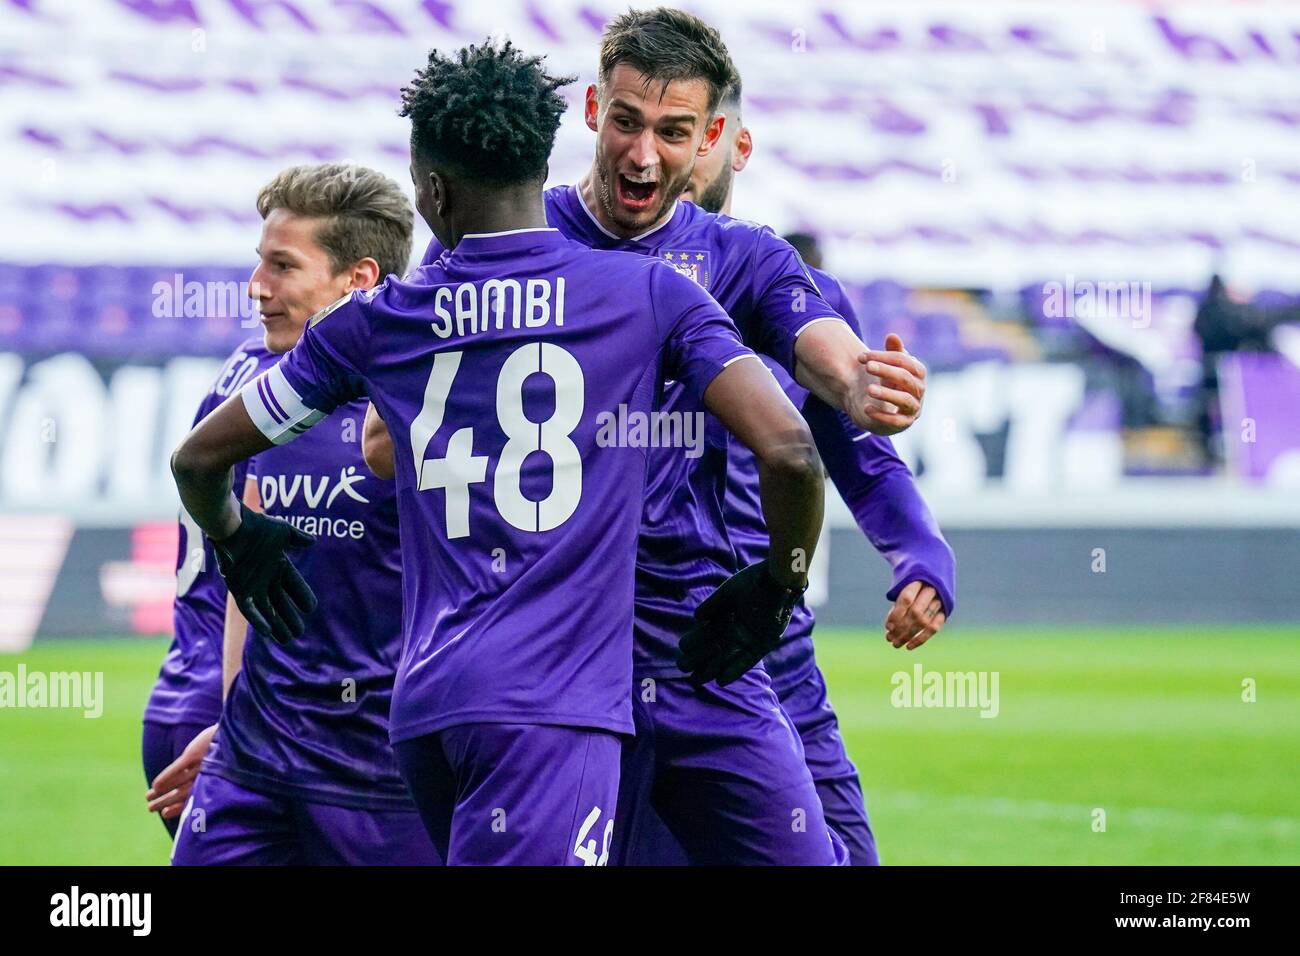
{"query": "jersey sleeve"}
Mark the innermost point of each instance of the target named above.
(323, 371)
(786, 298)
(837, 297)
(697, 337)
(878, 487)
(886, 504)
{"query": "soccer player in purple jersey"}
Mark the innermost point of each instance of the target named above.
(722, 765)
(186, 698)
(889, 509)
(501, 368)
(300, 770)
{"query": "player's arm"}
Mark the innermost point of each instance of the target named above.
(747, 400)
(202, 465)
(745, 618)
(251, 548)
(747, 615)
(702, 349)
(377, 445)
(169, 791)
(882, 495)
(886, 504)
(880, 391)
(235, 631)
(233, 636)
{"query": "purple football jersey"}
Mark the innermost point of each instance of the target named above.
(189, 686)
(310, 718)
(507, 371)
(684, 548)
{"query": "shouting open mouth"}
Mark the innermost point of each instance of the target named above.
(637, 192)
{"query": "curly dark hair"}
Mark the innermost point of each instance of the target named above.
(488, 112)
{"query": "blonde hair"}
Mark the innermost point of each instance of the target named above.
(366, 214)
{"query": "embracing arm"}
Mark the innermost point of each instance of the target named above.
(809, 328)
(880, 390)
(202, 462)
(250, 547)
(886, 504)
(740, 622)
(746, 398)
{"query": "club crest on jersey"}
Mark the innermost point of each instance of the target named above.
(691, 263)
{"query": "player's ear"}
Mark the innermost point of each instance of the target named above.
(712, 135)
(591, 107)
(365, 273)
(438, 194)
(744, 147)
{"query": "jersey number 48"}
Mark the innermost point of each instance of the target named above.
(460, 467)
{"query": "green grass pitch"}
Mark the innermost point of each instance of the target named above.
(1147, 725)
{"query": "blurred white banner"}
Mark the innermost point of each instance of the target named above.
(978, 144)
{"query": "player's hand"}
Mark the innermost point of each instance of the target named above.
(739, 624)
(898, 396)
(917, 615)
(171, 788)
(263, 581)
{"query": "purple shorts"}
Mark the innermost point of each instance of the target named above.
(722, 771)
(161, 744)
(227, 824)
(515, 794)
(833, 773)
(828, 760)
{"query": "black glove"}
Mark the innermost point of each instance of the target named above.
(740, 623)
(264, 583)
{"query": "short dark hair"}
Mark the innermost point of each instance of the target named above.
(731, 95)
(664, 45)
(490, 113)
